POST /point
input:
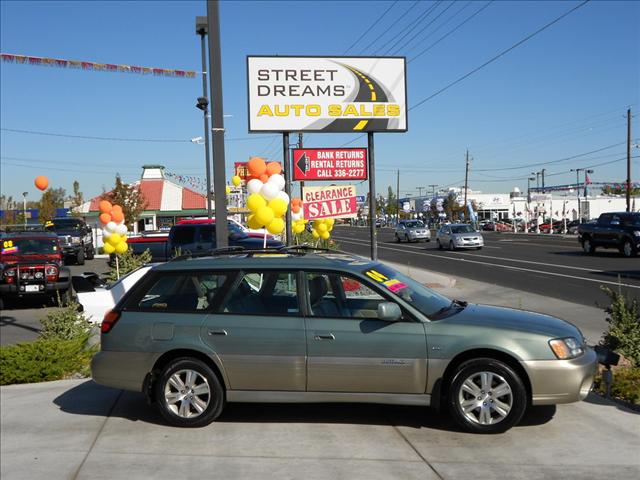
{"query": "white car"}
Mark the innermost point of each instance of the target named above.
(102, 299)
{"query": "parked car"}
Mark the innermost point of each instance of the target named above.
(496, 227)
(297, 326)
(459, 235)
(97, 299)
(412, 231)
(31, 266)
(76, 238)
(196, 236)
(619, 230)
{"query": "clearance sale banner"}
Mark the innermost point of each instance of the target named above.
(327, 94)
(329, 202)
(329, 163)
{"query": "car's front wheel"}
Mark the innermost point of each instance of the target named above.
(587, 246)
(627, 249)
(189, 393)
(80, 257)
(486, 396)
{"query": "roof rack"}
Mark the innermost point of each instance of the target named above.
(22, 228)
(237, 249)
(310, 248)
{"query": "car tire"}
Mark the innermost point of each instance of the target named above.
(478, 248)
(587, 246)
(90, 254)
(398, 238)
(180, 408)
(439, 244)
(486, 396)
(406, 238)
(80, 257)
(451, 247)
(627, 249)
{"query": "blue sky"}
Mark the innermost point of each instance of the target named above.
(563, 93)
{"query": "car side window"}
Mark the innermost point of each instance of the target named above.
(182, 236)
(264, 293)
(183, 292)
(206, 234)
(338, 296)
(604, 219)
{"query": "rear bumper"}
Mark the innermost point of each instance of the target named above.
(561, 381)
(124, 370)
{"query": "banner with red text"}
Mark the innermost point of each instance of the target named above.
(329, 202)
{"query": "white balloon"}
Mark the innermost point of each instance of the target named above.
(296, 216)
(269, 191)
(121, 229)
(111, 227)
(283, 196)
(254, 185)
(278, 180)
(105, 234)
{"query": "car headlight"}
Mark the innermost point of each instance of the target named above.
(75, 240)
(566, 348)
(636, 233)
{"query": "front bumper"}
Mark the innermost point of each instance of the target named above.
(419, 236)
(71, 249)
(47, 288)
(469, 244)
(561, 381)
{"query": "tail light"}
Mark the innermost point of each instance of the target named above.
(109, 321)
(10, 275)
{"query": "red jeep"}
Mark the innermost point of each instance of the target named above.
(31, 266)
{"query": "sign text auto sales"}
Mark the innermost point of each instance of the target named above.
(329, 202)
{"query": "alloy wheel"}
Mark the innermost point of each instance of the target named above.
(187, 393)
(485, 398)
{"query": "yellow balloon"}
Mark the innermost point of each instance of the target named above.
(276, 226)
(329, 222)
(264, 215)
(279, 207)
(122, 247)
(228, 189)
(315, 233)
(108, 248)
(298, 229)
(321, 228)
(255, 202)
(114, 239)
(253, 223)
(325, 235)
(236, 180)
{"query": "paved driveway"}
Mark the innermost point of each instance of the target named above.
(77, 429)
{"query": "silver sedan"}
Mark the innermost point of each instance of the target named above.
(412, 231)
(459, 235)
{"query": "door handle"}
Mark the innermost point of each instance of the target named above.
(325, 336)
(218, 332)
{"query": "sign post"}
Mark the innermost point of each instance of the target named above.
(286, 168)
(372, 198)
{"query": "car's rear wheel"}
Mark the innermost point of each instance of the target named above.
(189, 393)
(90, 254)
(486, 396)
(439, 244)
(587, 246)
(398, 238)
(80, 257)
(451, 247)
(627, 249)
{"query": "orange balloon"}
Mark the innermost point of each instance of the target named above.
(105, 206)
(296, 201)
(41, 182)
(264, 178)
(105, 218)
(116, 208)
(295, 208)
(256, 166)
(117, 216)
(273, 168)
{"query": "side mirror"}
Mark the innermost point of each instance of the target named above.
(389, 312)
(615, 222)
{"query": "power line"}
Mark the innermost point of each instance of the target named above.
(450, 31)
(499, 55)
(389, 29)
(399, 37)
(367, 30)
(425, 27)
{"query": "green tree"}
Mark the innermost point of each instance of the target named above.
(77, 199)
(129, 197)
(51, 199)
(392, 202)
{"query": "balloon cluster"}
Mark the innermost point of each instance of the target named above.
(298, 221)
(322, 228)
(114, 232)
(267, 201)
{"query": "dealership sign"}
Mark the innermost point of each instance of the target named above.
(329, 202)
(327, 94)
(330, 164)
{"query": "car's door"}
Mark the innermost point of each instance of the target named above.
(258, 332)
(602, 229)
(350, 350)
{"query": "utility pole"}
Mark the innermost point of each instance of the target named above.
(420, 190)
(628, 160)
(203, 102)
(433, 189)
(466, 178)
(397, 196)
(542, 174)
(217, 122)
(300, 144)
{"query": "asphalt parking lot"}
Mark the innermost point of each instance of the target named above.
(20, 322)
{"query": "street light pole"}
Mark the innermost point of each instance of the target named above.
(203, 102)
(577, 170)
(24, 207)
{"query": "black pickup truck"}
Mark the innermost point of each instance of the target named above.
(612, 230)
(193, 237)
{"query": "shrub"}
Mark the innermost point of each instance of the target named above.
(43, 360)
(65, 323)
(625, 386)
(128, 262)
(623, 318)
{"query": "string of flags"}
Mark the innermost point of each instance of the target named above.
(84, 65)
(192, 181)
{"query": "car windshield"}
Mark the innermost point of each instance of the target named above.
(65, 224)
(29, 246)
(462, 229)
(428, 302)
(416, 224)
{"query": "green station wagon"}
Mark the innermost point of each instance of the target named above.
(295, 325)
